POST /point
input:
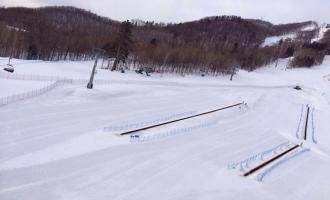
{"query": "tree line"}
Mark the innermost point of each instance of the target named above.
(211, 45)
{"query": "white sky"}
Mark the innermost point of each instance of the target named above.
(275, 11)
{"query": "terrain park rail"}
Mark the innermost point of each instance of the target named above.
(270, 161)
(177, 120)
(306, 123)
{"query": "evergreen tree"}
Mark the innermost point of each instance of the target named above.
(289, 52)
(121, 47)
(32, 52)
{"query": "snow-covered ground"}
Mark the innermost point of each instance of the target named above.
(11, 87)
(323, 29)
(310, 27)
(269, 41)
(64, 144)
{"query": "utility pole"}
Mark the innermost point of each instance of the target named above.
(98, 54)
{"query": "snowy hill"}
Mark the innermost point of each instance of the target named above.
(320, 32)
(211, 44)
(60, 140)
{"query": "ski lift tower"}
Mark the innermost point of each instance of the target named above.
(99, 53)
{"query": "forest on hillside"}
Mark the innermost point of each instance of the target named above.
(213, 45)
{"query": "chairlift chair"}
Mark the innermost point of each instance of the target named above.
(9, 68)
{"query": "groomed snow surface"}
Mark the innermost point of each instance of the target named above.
(64, 143)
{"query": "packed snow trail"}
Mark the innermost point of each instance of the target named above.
(54, 146)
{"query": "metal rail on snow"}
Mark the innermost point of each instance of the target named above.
(181, 119)
(306, 124)
(284, 153)
(270, 161)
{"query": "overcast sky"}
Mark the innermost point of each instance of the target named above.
(275, 11)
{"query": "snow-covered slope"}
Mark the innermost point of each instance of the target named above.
(64, 144)
(322, 30)
(269, 41)
(310, 27)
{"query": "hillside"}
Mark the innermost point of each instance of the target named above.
(213, 44)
